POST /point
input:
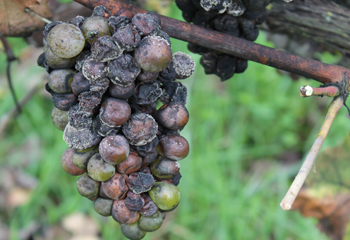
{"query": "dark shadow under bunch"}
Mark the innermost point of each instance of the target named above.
(106, 75)
(236, 18)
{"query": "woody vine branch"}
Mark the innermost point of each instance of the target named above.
(322, 72)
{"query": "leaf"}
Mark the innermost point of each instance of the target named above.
(326, 195)
(15, 22)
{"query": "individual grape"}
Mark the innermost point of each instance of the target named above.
(150, 208)
(152, 223)
(114, 149)
(215, 5)
(167, 75)
(183, 65)
(197, 49)
(236, 9)
(176, 179)
(132, 164)
(147, 77)
(41, 61)
(148, 151)
(146, 23)
(121, 91)
(68, 165)
(123, 70)
(166, 196)
(165, 36)
(100, 86)
(241, 65)
(225, 67)
(140, 182)
(64, 101)
(104, 129)
(153, 54)
(134, 202)
(87, 187)
(173, 116)
(173, 147)
(114, 112)
(127, 37)
(174, 92)
(122, 214)
(80, 138)
(104, 49)
(66, 40)
(59, 118)
(115, 188)
(56, 62)
(227, 23)
(132, 231)
(103, 206)
(77, 21)
(95, 26)
(98, 169)
(116, 22)
(60, 80)
(93, 70)
(140, 129)
(80, 119)
(164, 168)
(80, 84)
(82, 157)
(48, 27)
(101, 11)
(249, 30)
(209, 62)
(147, 93)
(81, 59)
(204, 18)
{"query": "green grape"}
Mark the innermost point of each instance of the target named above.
(56, 62)
(59, 118)
(66, 40)
(95, 26)
(98, 169)
(132, 231)
(165, 195)
(82, 157)
(103, 206)
(152, 223)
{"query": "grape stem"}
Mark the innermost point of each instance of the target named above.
(322, 72)
(289, 198)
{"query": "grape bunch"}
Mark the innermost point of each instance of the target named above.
(238, 18)
(106, 76)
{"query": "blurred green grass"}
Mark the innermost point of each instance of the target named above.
(233, 179)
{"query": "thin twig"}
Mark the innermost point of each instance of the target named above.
(12, 114)
(27, 10)
(288, 200)
(308, 91)
(10, 57)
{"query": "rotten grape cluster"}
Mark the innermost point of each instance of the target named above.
(238, 18)
(106, 75)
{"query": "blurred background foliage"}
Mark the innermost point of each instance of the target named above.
(247, 137)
